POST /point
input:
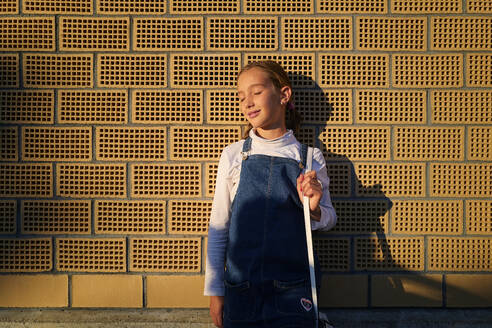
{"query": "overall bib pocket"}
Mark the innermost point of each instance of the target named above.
(239, 302)
(293, 297)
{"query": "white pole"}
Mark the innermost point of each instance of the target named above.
(309, 239)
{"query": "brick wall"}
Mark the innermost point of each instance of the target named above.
(114, 113)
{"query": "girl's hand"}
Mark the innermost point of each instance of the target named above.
(308, 183)
(216, 308)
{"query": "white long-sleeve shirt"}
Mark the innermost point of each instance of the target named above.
(225, 190)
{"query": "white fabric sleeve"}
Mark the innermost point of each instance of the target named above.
(218, 230)
(328, 214)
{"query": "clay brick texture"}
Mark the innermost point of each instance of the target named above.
(114, 114)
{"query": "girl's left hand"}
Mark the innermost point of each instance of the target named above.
(308, 183)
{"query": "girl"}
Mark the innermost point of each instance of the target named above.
(256, 226)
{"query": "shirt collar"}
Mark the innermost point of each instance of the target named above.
(286, 139)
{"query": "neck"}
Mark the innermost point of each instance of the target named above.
(271, 133)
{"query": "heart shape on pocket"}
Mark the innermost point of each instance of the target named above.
(306, 304)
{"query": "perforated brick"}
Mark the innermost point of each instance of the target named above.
(417, 217)
(223, 107)
(353, 71)
(56, 144)
(478, 6)
(464, 107)
(25, 255)
(425, 6)
(340, 178)
(91, 254)
(27, 33)
(428, 143)
(479, 143)
(165, 254)
(132, 70)
(242, 33)
(56, 216)
(94, 33)
(365, 143)
(130, 216)
(204, 7)
(461, 33)
(390, 179)
(459, 254)
(204, 70)
(307, 135)
(27, 106)
(324, 106)
(389, 254)
(210, 178)
(91, 180)
(165, 180)
(189, 216)
(9, 66)
(278, 7)
(478, 217)
(92, 106)
(464, 180)
(351, 6)
(57, 71)
(168, 34)
(361, 217)
(9, 7)
(333, 253)
(478, 70)
(8, 144)
(316, 33)
(117, 7)
(26, 180)
(167, 106)
(201, 143)
(299, 67)
(390, 106)
(8, 212)
(391, 33)
(429, 71)
(131, 143)
(79, 7)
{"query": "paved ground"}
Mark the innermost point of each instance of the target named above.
(178, 318)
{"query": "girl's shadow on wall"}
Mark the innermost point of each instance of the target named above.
(362, 210)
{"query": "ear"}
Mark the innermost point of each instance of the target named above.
(285, 94)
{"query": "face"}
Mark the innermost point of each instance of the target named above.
(259, 100)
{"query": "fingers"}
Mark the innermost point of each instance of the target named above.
(216, 310)
(310, 184)
(217, 319)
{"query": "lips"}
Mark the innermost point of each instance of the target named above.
(254, 113)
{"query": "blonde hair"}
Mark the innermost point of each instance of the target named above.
(280, 79)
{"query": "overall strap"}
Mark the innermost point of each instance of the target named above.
(247, 144)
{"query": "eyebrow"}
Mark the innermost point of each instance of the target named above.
(252, 86)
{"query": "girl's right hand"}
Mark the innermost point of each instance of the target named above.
(216, 308)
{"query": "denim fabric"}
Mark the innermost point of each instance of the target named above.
(267, 269)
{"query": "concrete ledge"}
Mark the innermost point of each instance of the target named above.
(199, 318)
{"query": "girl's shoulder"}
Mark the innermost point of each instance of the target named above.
(234, 149)
(230, 159)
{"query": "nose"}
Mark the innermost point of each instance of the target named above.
(249, 102)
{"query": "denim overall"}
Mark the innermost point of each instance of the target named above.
(267, 280)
